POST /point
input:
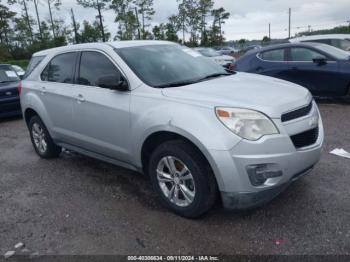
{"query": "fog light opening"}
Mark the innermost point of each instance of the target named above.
(259, 174)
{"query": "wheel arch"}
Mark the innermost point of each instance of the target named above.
(158, 137)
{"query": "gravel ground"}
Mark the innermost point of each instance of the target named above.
(78, 205)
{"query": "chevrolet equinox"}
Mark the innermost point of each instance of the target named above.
(199, 131)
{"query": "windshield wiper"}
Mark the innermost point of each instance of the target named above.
(184, 83)
(176, 84)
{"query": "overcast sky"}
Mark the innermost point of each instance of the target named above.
(249, 18)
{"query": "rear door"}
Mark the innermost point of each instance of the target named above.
(101, 115)
(320, 79)
(56, 93)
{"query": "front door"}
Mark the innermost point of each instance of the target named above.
(101, 115)
(319, 78)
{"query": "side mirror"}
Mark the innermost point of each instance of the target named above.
(320, 60)
(113, 82)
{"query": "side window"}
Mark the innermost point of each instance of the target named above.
(60, 69)
(300, 54)
(273, 55)
(96, 69)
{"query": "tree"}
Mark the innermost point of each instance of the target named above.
(242, 43)
(145, 8)
(28, 19)
(92, 33)
(172, 27)
(205, 7)
(6, 16)
(159, 32)
(220, 15)
(99, 5)
(126, 19)
(265, 41)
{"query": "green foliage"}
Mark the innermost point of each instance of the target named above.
(146, 10)
(22, 63)
(336, 30)
(91, 33)
(21, 35)
(265, 41)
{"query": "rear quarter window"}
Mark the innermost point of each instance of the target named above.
(34, 62)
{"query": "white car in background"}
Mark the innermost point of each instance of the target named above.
(341, 41)
(19, 71)
(226, 61)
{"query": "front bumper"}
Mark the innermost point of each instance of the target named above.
(278, 151)
(243, 201)
(10, 107)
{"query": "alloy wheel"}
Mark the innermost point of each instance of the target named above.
(176, 181)
(39, 138)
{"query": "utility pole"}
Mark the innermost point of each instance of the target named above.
(75, 27)
(289, 26)
(138, 23)
(270, 31)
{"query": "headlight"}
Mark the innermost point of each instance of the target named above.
(248, 124)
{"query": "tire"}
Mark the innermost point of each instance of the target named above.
(41, 139)
(195, 189)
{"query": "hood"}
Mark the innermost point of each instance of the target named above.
(265, 94)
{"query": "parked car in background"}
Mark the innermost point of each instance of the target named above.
(223, 60)
(19, 71)
(9, 98)
(323, 69)
(249, 48)
(197, 130)
(341, 41)
(226, 50)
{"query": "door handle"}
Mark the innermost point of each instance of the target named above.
(80, 98)
(294, 68)
(43, 90)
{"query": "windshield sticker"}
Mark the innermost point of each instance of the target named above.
(10, 74)
(191, 52)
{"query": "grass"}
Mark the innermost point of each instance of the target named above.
(22, 63)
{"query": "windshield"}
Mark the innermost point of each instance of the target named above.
(7, 74)
(209, 52)
(333, 51)
(167, 65)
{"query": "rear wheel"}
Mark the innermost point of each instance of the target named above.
(182, 178)
(41, 139)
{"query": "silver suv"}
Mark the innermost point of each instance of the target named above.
(197, 130)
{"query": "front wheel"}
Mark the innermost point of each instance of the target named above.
(183, 178)
(41, 139)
